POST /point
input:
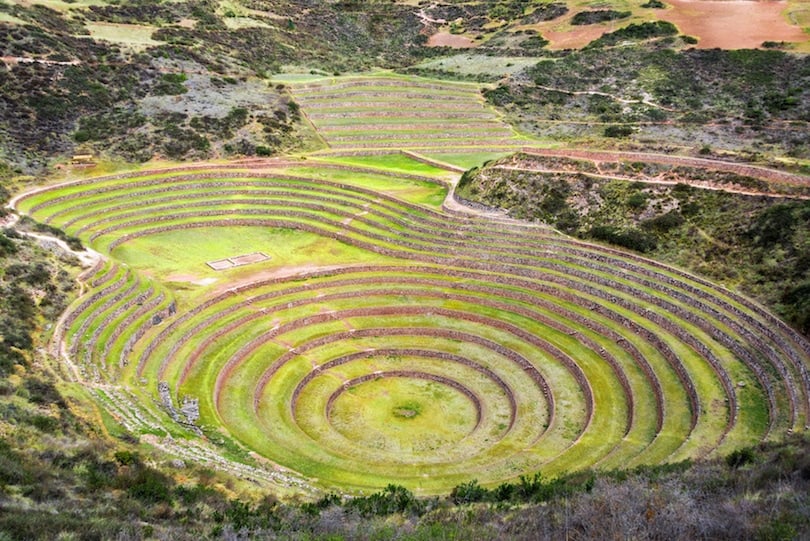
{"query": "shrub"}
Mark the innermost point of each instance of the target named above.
(618, 131)
(149, 486)
(741, 457)
(127, 458)
(637, 200)
(468, 493)
(392, 499)
(170, 84)
(632, 238)
(598, 16)
(43, 392)
(7, 246)
(636, 32)
(665, 222)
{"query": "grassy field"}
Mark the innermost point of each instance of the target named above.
(397, 111)
(135, 36)
(383, 339)
(386, 341)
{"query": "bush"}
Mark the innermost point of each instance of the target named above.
(170, 84)
(149, 486)
(741, 457)
(392, 499)
(468, 493)
(618, 131)
(633, 239)
(599, 16)
(637, 200)
(636, 32)
(665, 222)
(43, 392)
(7, 246)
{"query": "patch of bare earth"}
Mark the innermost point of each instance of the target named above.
(574, 39)
(446, 39)
(732, 24)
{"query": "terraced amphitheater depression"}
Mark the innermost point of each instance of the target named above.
(338, 321)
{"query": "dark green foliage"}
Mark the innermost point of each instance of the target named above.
(775, 225)
(618, 131)
(243, 516)
(796, 302)
(637, 200)
(468, 493)
(392, 499)
(222, 127)
(599, 16)
(43, 392)
(741, 457)
(467, 177)
(654, 4)
(633, 239)
(194, 494)
(7, 246)
(30, 224)
(499, 96)
(545, 12)
(636, 32)
(178, 142)
(529, 489)
(533, 44)
(107, 124)
(262, 150)
(127, 458)
(171, 84)
(314, 508)
(665, 222)
(147, 485)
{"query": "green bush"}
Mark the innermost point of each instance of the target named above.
(468, 493)
(599, 16)
(636, 32)
(665, 222)
(170, 84)
(149, 486)
(392, 499)
(632, 238)
(741, 457)
(618, 131)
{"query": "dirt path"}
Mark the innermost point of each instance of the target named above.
(769, 175)
(14, 60)
(697, 184)
(646, 100)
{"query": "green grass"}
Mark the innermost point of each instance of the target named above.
(392, 162)
(528, 292)
(179, 258)
(479, 64)
(467, 159)
(131, 35)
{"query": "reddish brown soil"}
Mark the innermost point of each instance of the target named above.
(574, 39)
(733, 24)
(446, 39)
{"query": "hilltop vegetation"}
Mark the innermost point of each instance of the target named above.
(758, 244)
(752, 102)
